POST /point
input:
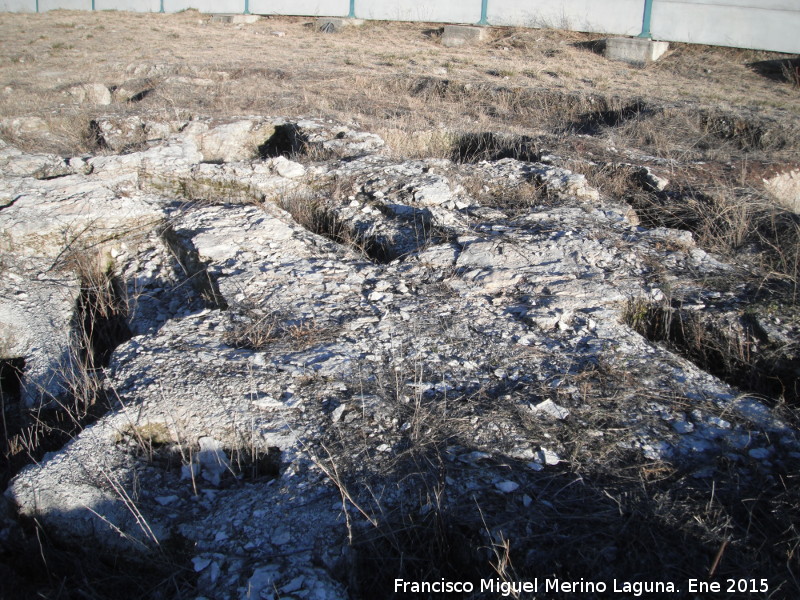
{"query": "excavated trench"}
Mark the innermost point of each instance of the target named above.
(194, 268)
(11, 370)
(287, 140)
(475, 147)
(155, 445)
(686, 129)
(733, 347)
(592, 123)
(32, 564)
(99, 326)
(102, 317)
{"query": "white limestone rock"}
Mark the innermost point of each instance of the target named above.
(451, 310)
(90, 93)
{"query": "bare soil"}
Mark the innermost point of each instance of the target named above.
(373, 75)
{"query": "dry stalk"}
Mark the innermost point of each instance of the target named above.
(333, 474)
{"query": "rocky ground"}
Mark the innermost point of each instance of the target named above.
(273, 357)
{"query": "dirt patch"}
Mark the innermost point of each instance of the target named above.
(205, 67)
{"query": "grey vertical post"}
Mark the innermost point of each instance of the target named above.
(484, 12)
(648, 11)
(352, 13)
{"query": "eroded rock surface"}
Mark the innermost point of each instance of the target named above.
(293, 323)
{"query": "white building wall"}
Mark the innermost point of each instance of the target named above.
(760, 24)
(206, 6)
(18, 6)
(621, 17)
(45, 5)
(441, 11)
(309, 8)
(128, 5)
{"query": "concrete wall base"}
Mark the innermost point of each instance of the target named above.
(334, 24)
(462, 35)
(636, 51)
(235, 19)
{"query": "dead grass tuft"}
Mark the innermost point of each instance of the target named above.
(514, 197)
(255, 328)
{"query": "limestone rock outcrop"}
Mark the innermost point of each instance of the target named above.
(285, 305)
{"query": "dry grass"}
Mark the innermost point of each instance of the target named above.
(731, 346)
(313, 211)
(257, 328)
(739, 223)
(207, 68)
(605, 512)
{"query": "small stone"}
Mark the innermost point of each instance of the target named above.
(262, 580)
(165, 500)
(200, 563)
(190, 471)
(551, 409)
(91, 93)
(213, 459)
(288, 168)
(522, 453)
(652, 182)
(548, 457)
(281, 537)
(337, 413)
(294, 585)
(683, 427)
(214, 572)
(474, 456)
(507, 486)
(759, 453)
(718, 422)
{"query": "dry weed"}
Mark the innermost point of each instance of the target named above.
(256, 328)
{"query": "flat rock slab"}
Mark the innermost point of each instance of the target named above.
(462, 35)
(335, 24)
(637, 51)
(236, 19)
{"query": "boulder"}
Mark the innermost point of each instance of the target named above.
(90, 93)
(785, 188)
